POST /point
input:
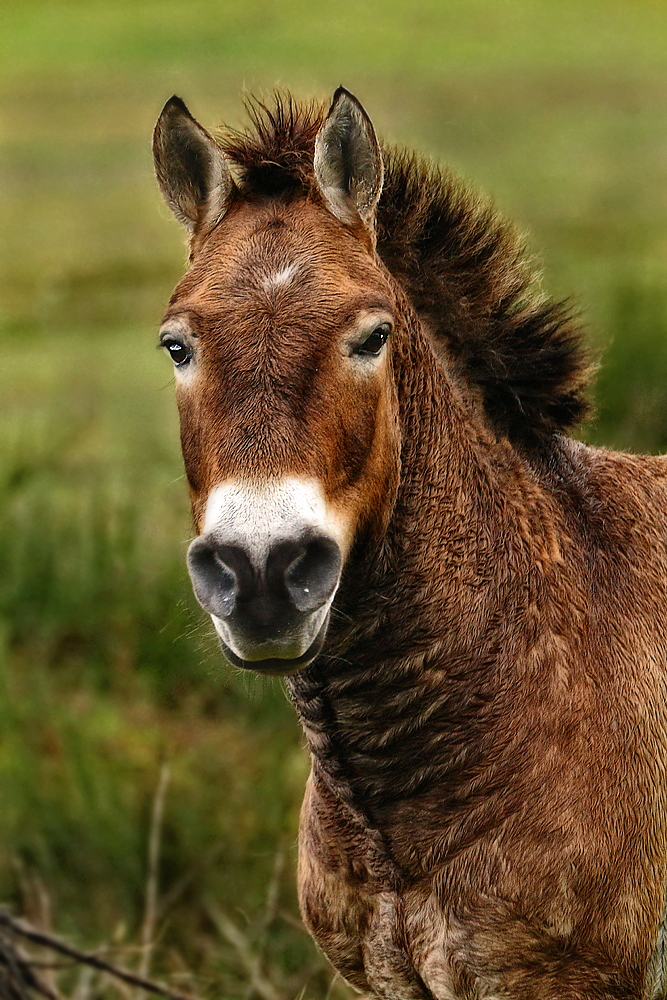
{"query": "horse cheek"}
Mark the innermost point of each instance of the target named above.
(380, 478)
(193, 458)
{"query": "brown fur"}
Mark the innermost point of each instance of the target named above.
(462, 265)
(486, 814)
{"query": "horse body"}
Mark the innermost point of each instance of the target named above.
(504, 827)
(470, 606)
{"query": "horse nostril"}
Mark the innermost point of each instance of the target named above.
(297, 576)
(313, 572)
(220, 574)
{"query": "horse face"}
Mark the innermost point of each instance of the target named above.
(281, 336)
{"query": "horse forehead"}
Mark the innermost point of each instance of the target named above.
(264, 265)
(275, 257)
(282, 244)
(278, 265)
(272, 282)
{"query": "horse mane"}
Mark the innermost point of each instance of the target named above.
(463, 266)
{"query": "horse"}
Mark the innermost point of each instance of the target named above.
(468, 605)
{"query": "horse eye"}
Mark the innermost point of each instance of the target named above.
(374, 343)
(179, 353)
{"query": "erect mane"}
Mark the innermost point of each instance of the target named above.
(275, 154)
(464, 268)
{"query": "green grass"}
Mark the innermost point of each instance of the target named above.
(107, 669)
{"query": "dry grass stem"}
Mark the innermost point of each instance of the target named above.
(152, 881)
(269, 916)
(243, 947)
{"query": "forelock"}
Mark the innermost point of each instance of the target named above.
(275, 153)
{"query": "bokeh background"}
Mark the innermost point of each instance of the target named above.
(109, 678)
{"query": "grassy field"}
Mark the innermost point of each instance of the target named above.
(108, 673)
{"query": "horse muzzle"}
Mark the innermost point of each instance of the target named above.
(270, 606)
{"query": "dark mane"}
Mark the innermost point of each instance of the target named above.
(276, 154)
(463, 266)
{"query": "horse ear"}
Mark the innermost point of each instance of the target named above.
(348, 161)
(191, 169)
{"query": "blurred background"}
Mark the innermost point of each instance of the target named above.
(112, 691)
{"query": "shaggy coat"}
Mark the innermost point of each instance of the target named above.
(486, 815)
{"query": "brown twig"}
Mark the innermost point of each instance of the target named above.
(49, 941)
(18, 979)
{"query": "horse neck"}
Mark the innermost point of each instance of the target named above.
(400, 703)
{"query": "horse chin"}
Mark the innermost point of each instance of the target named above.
(278, 666)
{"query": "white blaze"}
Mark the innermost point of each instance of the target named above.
(256, 516)
(281, 277)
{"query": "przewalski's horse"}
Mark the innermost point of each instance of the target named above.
(469, 605)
